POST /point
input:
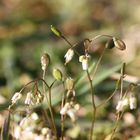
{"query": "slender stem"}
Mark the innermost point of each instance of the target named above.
(93, 104)
(122, 76)
(119, 115)
(52, 115)
(62, 116)
(67, 40)
(108, 99)
(98, 62)
(49, 103)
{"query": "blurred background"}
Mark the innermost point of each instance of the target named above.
(25, 34)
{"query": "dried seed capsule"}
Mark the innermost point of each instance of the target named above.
(57, 74)
(56, 31)
(110, 44)
(119, 44)
(45, 60)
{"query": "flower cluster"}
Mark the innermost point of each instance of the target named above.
(130, 102)
(71, 110)
(28, 129)
(29, 100)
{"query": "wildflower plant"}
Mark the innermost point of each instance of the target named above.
(69, 107)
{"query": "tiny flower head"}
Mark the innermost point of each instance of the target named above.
(68, 56)
(64, 109)
(72, 114)
(28, 100)
(84, 60)
(16, 97)
(122, 104)
(132, 102)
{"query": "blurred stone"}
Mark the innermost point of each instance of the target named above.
(129, 119)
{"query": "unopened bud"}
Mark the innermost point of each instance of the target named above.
(56, 31)
(68, 56)
(57, 74)
(119, 44)
(45, 60)
(16, 97)
(110, 44)
(133, 102)
(69, 83)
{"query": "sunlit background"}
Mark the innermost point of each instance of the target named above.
(25, 35)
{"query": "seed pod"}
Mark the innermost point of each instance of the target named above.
(119, 44)
(110, 44)
(57, 74)
(45, 60)
(56, 31)
(69, 83)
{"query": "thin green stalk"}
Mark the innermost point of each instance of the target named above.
(98, 62)
(49, 104)
(62, 116)
(93, 104)
(116, 125)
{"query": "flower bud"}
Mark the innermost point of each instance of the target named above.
(69, 83)
(45, 60)
(57, 74)
(110, 44)
(119, 44)
(68, 56)
(132, 102)
(56, 31)
(16, 97)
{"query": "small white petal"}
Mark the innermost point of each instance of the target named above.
(16, 97)
(69, 55)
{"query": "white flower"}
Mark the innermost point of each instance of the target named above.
(16, 97)
(17, 132)
(84, 60)
(132, 102)
(122, 104)
(71, 110)
(28, 100)
(69, 55)
(64, 110)
(72, 114)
